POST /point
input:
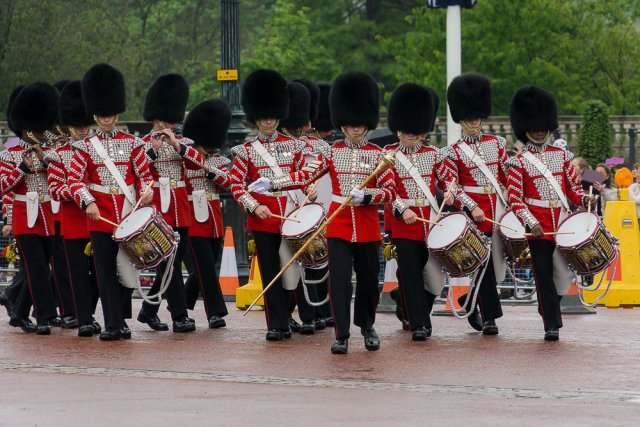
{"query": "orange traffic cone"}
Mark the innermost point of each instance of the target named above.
(458, 288)
(571, 304)
(387, 304)
(229, 281)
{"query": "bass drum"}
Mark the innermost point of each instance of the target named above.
(296, 234)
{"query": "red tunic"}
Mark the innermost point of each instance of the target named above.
(73, 219)
(459, 166)
(17, 178)
(248, 166)
(526, 182)
(7, 207)
(197, 180)
(170, 164)
(87, 168)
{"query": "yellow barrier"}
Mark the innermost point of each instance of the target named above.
(247, 293)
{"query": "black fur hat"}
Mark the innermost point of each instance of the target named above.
(436, 106)
(314, 91)
(410, 109)
(299, 100)
(167, 99)
(60, 84)
(35, 108)
(532, 108)
(207, 123)
(103, 91)
(72, 111)
(12, 97)
(355, 100)
(265, 96)
(323, 121)
(469, 97)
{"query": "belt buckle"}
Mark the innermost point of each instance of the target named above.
(277, 194)
(173, 184)
(114, 190)
(209, 197)
(41, 198)
(553, 203)
(488, 189)
(419, 202)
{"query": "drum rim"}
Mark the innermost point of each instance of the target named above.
(314, 227)
(154, 213)
(448, 245)
(589, 237)
(504, 236)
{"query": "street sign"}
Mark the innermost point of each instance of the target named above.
(437, 4)
(227, 75)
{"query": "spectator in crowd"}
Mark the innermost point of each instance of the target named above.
(634, 189)
(607, 189)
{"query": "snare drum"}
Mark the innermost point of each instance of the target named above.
(516, 248)
(146, 238)
(458, 245)
(590, 248)
(296, 234)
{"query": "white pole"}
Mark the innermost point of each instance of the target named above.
(454, 64)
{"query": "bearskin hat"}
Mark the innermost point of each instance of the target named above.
(103, 91)
(410, 109)
(436, 106)
(323, 121)
(35, 108)
(355, 100)
(265, 96)
(469, 97)
(167, 99)
(314, 91)
(299, 100)
(12, 97)
(71, 107)
(532, 108)
(60, 84)
(207, 123)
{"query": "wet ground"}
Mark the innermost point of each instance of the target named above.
(233, 377)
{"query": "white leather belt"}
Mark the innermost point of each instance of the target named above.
(274, 194)
(485, 189)
(114, 189)
(549, 204)
(341, 200)
(415, 202)
(173, 184)
(210, 196)
(23, 198)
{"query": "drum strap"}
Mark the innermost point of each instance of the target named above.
(415, 174)
(548, 175)
(272, 163)
(113, 170)
(468, 151)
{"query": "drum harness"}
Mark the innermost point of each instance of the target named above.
(168, 273)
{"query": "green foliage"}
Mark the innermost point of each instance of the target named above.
(596, 134)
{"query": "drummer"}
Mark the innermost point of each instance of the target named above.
(417, 168)
(540, 201)
(102, 194)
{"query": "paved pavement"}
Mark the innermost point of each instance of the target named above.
(233, 377)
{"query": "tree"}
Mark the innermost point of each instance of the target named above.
(596, 135)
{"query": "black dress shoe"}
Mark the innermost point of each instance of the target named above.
(152, 320)
(125, 332)
(319, 324)
(110, 335)
(69, 322)
(341, 346)
(371, 339)
(56, 321)
(489, 327)
(406, 326)
(25, 324)
(474, 319)
(293, 325)
(96, 327)
(216, 322)
(420, 334)
(286, 334)
(43, 329)
(329, 322)
(8, 305)
(183, 325)
(275, 335)
(552, 335)
(85, 331)
(307, 328)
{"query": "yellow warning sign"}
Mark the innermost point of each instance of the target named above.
(227, 75)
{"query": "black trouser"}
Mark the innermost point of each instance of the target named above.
(275, 300)
(175, 292)
(204, 279)
(115, 298)
(79, 267)
(35, 253)
(60, 272)
(12, 292)
(416, 301)
(93, 285)
(306, 311)
(318, 292)
(488, 298)
(548, 299)
(363, 257)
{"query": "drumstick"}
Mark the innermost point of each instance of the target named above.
(427, 221)
(149, 185)
(306, 199)
(553, 233)
(107, 221)
(500, 224)
(442, 204)
(284, 218)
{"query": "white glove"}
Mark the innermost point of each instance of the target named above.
(262, 185)
(358, 195)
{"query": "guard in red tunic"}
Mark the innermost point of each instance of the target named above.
(107, 171)
(23, 171)
(418, 169)
(265, 101)
(354, 235)
(207, 126)
(74, 118)
(477, 163)
(539, 201)
(169, 155)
